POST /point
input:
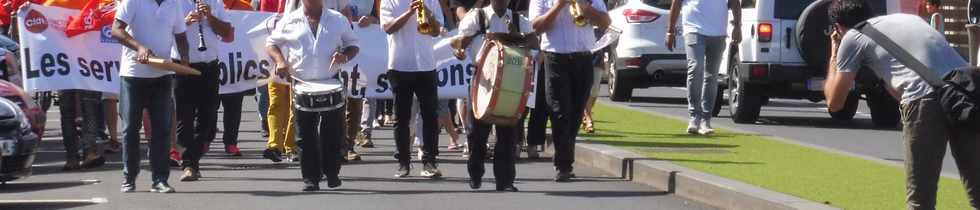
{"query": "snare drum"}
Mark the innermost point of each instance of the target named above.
(501, 83)
(318, 95)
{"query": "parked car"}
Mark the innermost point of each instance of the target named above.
(784, 54)
(21, 129)
(639, 59)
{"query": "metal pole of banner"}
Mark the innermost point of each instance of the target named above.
(973, 31)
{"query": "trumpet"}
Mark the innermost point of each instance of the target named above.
(577, 16)
(423, 17)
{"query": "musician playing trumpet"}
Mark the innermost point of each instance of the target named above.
(412, 72)
(310, 44)
(498, 23)
(566, 46)
(197, 96)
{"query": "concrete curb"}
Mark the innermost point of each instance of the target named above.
(688, 183)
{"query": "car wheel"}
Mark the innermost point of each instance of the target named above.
(884, 107)
(850, 108)
(619, 89)
(744, 100)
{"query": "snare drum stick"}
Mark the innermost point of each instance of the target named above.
(167, 65)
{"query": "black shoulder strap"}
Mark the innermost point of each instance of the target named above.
(901, 54)
(514, 23)
(482, 20)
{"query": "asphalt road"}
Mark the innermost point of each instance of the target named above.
(798, 120)
(251, 182)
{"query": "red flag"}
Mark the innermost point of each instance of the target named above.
(92, 18)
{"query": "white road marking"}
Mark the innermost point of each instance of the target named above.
(95, 200)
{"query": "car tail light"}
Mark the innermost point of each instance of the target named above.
(640, 16)
(633, 62)
(765, 32)
(759, 71)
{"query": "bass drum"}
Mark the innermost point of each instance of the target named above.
(501, 83)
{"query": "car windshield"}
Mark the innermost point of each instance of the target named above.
(662, 4)
(791, 9)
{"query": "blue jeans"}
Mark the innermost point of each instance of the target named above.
(703, 60)
(262, 97)
(157, 96)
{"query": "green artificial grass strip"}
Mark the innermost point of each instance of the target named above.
(820, 176)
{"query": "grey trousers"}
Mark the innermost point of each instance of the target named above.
(926, 134)
(704, 55)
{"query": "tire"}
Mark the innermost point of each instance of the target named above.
(850, 108)
(719, 100)
(619, 89)
(744, 100)
(884, 108)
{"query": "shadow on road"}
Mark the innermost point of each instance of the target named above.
(488, 190)
(43, 206)
(20, 187)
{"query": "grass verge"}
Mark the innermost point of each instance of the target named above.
(839, 180)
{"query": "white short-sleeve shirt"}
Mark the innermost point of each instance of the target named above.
(408, 50)
(309, 55)
(564, 36)
(470, 26)
(193, 38)
(705, 17)
(152, 25)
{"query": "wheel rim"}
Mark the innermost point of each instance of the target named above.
(734, 91)
(612, 74)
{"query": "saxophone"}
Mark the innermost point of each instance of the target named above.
(577, 15)
(423, 17)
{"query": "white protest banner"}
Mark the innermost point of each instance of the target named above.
(90, 61)
(371, 67)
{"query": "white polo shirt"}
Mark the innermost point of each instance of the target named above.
(408, 50)
(210, 38)
(564, 36)
(470, 26)
(152, 25)
(309, 56)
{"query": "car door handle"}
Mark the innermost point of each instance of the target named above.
(789, 38)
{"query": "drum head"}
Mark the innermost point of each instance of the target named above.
(485, 79)
(318, 86)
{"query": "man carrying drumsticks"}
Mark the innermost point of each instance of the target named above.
(311, 44)
(567, 64)
(197, 96)
(494, 22)
(145, 28)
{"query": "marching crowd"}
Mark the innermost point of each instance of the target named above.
(312, 37)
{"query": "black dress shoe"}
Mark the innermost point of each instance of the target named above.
(333, 182)
(508, 188)
(100, 161)
(476, 183)
(273, 155)
(311, 186)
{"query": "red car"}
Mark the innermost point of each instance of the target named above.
(21, 128)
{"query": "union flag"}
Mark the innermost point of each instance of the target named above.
(93, 17)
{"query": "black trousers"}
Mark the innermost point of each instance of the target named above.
(537, 121)
(197, 111)
(232, 116)
(503, 153)
(566, 98)
(86, 105)
(320, 135)
(423, 86)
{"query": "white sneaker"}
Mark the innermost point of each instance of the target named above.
(693, 126)
(706, 128)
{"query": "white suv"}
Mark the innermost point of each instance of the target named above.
(639, 59)
(784, 54)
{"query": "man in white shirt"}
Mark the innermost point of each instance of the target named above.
(412, 72)
(566, 50)
(309, 44)
(145, 28)
(704, 25)
(494, 22)
(197, 96)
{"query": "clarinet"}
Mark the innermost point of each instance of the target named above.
(201, 46)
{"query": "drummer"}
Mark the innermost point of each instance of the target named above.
(309, 45)
(498, 23)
